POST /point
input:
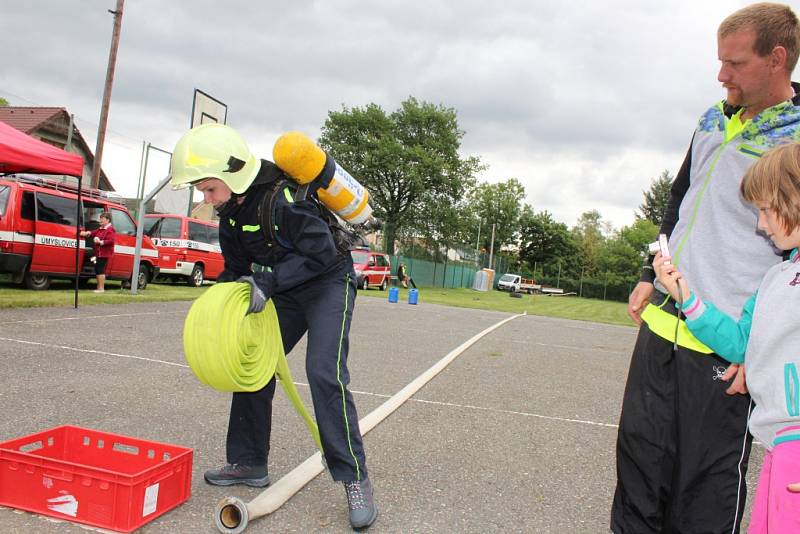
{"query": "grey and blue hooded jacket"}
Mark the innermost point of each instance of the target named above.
(712, 231)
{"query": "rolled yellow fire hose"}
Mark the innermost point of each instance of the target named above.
(230, 351)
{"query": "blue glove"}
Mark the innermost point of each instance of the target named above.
(257, 297)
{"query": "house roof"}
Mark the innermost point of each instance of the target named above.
(27, 119)
(32, 120)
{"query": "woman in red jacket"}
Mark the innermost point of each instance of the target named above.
(103, 239)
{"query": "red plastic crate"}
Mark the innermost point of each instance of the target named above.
(97, 478)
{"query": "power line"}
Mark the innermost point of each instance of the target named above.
(87, 123)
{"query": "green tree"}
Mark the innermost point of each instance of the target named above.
(621, 256)
(500, 205)
(544, 241)
(656, 199)
(442, 225)
(589, 234)
(617, 256)
(3, 102)
(638, 235)
(408, 160)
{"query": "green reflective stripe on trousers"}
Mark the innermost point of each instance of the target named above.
(339, 377)
(251, 227)
(662, 324)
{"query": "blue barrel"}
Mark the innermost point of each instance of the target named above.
(412, 296)
(393, 292)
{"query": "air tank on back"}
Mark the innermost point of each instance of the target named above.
(300, 157)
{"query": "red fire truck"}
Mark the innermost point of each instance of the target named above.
(188, 248)
(38, 235)
(372, 268)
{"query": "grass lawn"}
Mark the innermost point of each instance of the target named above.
(61, 293)
(571, 307)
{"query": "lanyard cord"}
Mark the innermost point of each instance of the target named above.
(680, 311)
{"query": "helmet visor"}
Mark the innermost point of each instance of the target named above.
(186, 185)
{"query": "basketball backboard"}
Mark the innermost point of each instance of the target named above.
(206, 109)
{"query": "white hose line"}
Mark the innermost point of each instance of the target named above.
(380, 413)
(232, 514)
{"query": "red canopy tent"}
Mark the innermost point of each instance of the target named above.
(20, 152)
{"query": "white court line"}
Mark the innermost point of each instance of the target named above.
(57, 520)
(584, 325)
(512, 412)
(303, 384)
(80, 318)
(91, 351)
(567, 347)
(493, 410)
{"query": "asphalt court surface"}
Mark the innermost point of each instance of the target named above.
(516, 435)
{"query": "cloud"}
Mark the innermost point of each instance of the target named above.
(585, 103)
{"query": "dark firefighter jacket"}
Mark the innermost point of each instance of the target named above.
(305, 248)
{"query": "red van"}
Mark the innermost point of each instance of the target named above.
(37, 233)
(188, 248)
(372, 268)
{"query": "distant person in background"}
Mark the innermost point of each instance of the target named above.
(103, 240)
(403, 276)
(88, 242)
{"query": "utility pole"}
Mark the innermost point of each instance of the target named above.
(558, 278)
(112, 61)
(478, 240)
(70, 128)
(491, 248)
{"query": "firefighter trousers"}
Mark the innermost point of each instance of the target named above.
(323, 307)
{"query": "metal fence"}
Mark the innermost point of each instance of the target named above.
(450, 274)
(455, 274)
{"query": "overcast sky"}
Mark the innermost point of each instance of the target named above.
(583, 102)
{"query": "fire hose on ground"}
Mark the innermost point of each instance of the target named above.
(214, 320)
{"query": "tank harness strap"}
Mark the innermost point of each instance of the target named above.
(266, 213)
(343, 238)
(301, 192)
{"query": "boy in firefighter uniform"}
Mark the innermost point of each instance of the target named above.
(313, 287)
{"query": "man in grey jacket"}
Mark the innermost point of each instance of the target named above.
(683, 446)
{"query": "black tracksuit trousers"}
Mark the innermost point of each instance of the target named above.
(323, 307)
(683, 444)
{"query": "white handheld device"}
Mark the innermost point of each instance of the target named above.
(663, 245)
